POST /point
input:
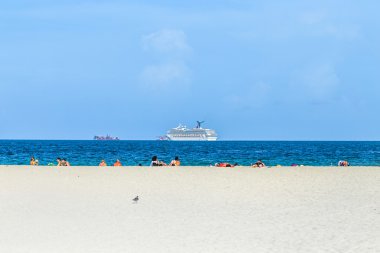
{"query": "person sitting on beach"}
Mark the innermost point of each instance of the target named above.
(103, 163)
(258, 164)
(59, 162)
(117, 163)
(32, 161)
(175, 162)
(156, 162)
(64, 162)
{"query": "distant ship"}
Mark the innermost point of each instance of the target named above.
(106, 138)
(182, 133)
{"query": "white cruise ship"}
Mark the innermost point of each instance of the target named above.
(182, 133)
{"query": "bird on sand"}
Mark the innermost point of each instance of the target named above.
(136, 199)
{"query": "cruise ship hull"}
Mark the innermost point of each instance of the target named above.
(191, 139)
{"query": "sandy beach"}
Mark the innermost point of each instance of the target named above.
(189, 209)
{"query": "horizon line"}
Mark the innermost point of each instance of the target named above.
(268, 140)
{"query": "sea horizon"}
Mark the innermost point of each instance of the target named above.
(219, 140)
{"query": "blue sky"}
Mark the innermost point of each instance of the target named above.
(256, 70)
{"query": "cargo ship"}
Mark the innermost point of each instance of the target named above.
(106, 138)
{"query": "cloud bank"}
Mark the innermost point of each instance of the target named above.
(166, 41)
(171, 70)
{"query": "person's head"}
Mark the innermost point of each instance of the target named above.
(140, 164)
(59, 159)
(32, 158)
(154, 158)
(117, 160)
(176, 158)
(103, 161)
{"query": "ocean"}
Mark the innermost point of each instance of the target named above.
(90, 153)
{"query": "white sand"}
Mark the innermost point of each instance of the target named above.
(189, 209)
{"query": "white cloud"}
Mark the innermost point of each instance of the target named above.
(166, 75)
(172, 69)
(319, 23)
(166, 41)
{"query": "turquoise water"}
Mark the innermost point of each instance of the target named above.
(322, 153)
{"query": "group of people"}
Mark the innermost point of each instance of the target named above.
(175, 162)
(258, 164)
(156, 162)
(116, 164)
(225, 165)
(62, 162)
(343, 163)
(33, 161)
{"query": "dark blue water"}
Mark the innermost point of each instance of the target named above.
(191, 153)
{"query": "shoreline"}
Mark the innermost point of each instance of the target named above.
(192, 166)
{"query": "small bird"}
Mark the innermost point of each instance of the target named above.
(136, 199)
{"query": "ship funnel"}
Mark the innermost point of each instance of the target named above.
(199, 123)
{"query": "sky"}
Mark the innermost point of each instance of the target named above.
(253, 70)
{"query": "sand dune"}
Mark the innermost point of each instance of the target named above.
(189, 209)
